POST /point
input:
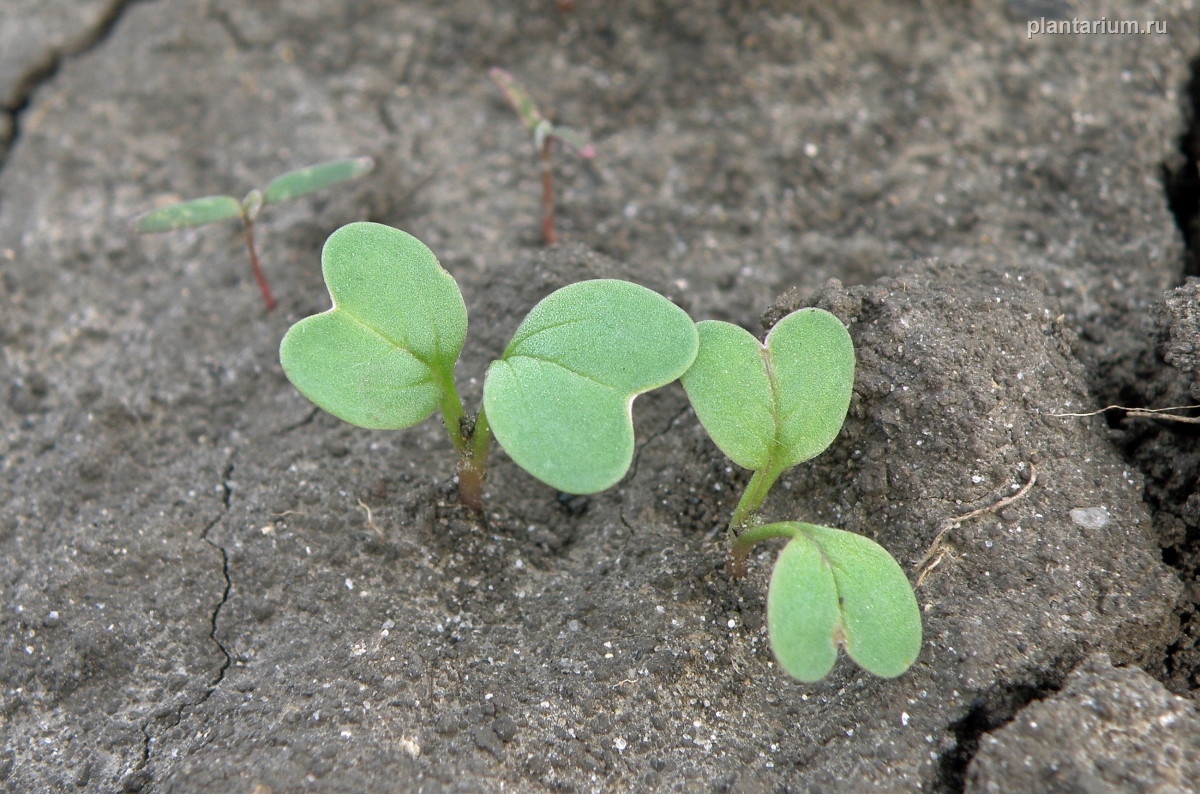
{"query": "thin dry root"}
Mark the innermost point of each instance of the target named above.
(935, 562)
(936, 553)
(1147, 413)
(370, 518)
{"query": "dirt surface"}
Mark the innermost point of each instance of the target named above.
(209, 585)
(1109, 729)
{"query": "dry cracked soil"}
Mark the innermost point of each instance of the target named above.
(209, 585)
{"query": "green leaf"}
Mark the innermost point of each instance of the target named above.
(573, 138)
(306, 180)
(831, 588)
(770, 406)
(383, 356)
(197, 212)
(517, 96)
(559, 400)
(802, 611)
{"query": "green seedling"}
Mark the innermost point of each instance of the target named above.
(558, 400)
(544, 134)
(769, 406)
(214, 209)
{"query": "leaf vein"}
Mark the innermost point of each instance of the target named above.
(398, 345)
(516, 342)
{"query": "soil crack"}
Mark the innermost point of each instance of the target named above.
(986, 714)
(1183, 183)
(143, 769)
(306, 421)
(44, 70)
(637, 454)
(216, 614)
(222, 18)
(226, 499)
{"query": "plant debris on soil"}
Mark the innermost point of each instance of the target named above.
(209, 585)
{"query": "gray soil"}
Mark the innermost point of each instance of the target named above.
(209, 585)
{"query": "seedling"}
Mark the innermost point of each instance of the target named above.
(558, 400)
(214, 209)
(544, 134)
(769, 406)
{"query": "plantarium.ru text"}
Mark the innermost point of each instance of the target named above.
(559, 401)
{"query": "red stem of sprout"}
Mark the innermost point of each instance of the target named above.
(268, 298)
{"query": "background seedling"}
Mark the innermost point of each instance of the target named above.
(544, 134)
(214, 209)
(770, 406)
(559, 400)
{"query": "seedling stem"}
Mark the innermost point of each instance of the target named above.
(544, 133)
(471, 437)
(739, 550)
(746, 513)
(472, 464)
(548, 235)
(263, 287)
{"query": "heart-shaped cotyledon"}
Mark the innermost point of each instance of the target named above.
(770, 405)
(383, 357)
(560, 398)
(834, 588)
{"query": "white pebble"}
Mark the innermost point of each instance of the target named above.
(1090, 517)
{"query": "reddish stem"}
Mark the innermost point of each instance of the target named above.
(548, 235)
(735, 565)
(470, 485)
(739, 550)
(472, 464)
(268, 298)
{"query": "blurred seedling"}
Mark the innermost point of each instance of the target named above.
(558, 400)
(544, 134)
(770, 406)
(215, 209)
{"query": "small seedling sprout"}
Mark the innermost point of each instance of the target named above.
(769, 406)
(544, 133)
(560, 397)
(558, 400)
(214, 209)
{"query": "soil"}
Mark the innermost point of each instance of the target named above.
(210, 585)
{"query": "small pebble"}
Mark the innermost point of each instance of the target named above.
(1090, 517)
